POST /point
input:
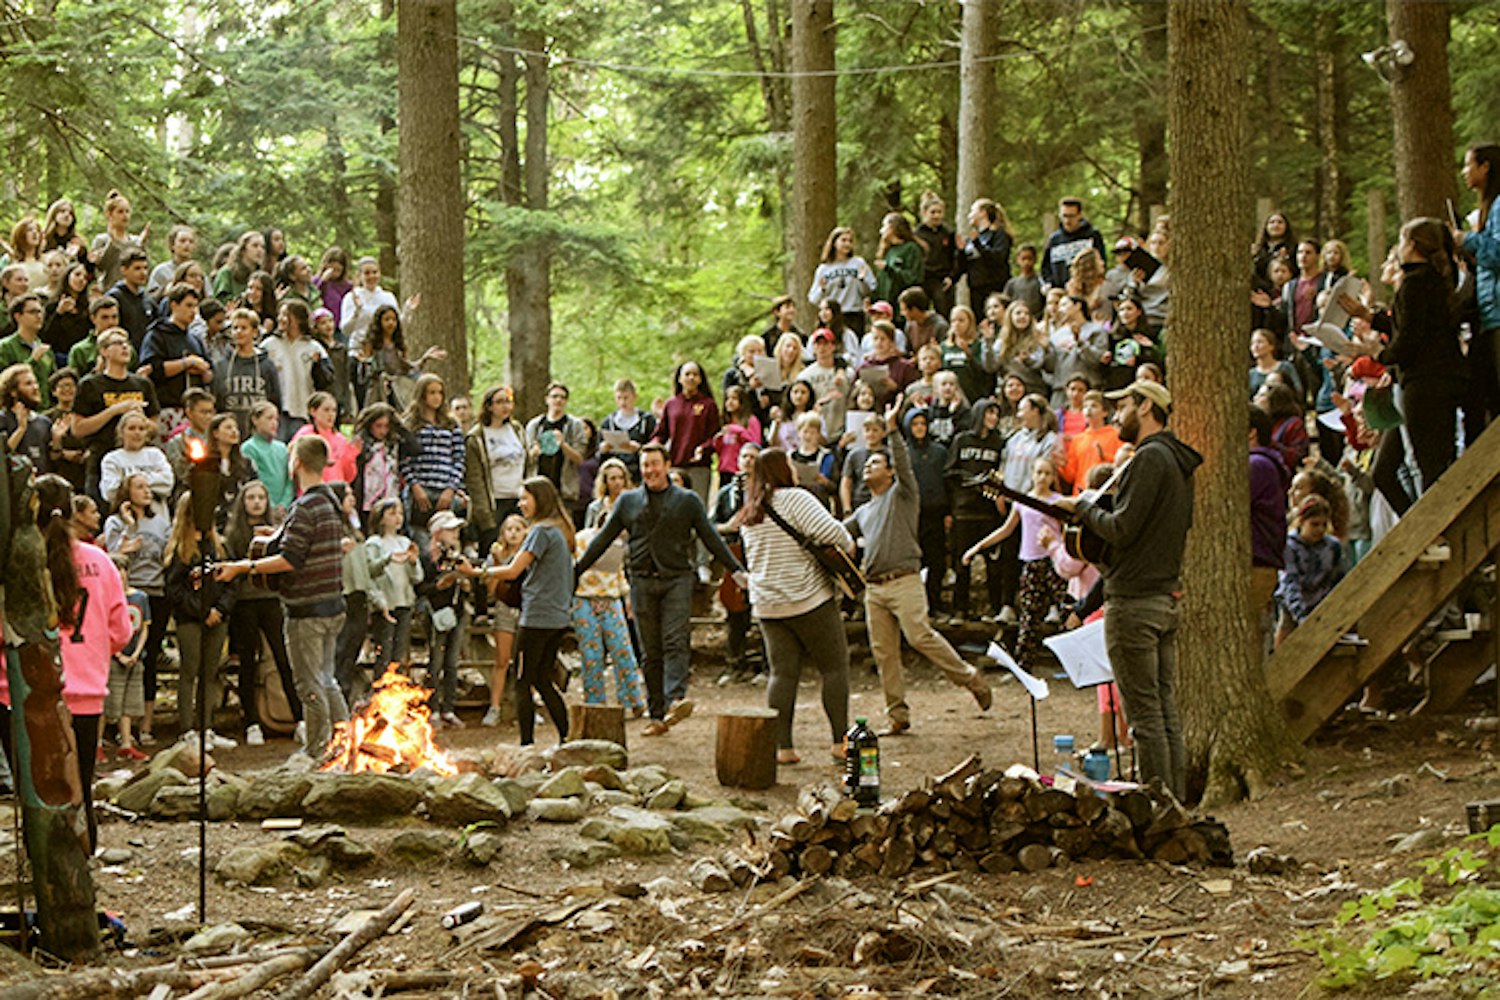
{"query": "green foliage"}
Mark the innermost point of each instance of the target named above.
(1410, 932)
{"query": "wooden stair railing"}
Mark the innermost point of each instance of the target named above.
(1391, 594)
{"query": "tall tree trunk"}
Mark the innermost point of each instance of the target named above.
(1150, 116)
(529, 281)
(431, 208)
(814, 145)
(44, 755)
(976, 94)
(1422, 109)
(338, 184)
(1234, 731)
(385, 182)
(1332, 183)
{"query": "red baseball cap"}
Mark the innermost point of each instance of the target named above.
(822, 335)
(1366, 367)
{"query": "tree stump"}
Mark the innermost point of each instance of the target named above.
(597, 722)
(745, 754)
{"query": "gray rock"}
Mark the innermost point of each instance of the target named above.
(557, 810)
(137, 795)
(513, 762)
(610, 797)
(215, 939)
(224, 801)
(346, 853)
(116, 855)
(255, 864)
(311, 873)
(648, 779)
(582, 753)
(313, 837)
(635, 831)
(367, 797)
(699, 828)
(175, 802)
(563, 785)
(465, 799)
(482, 847)
(421, 845)
(709, 876)
(604, 776)
(668, 796)
(274, 793)
(531, 781)
(1426, 839)
(584, 854)
(516, 794)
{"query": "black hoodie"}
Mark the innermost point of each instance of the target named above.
(1062, 246)
(1153, 510)
(973, 453)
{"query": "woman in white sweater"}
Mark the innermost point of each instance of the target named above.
(792, 595)
(136, 456)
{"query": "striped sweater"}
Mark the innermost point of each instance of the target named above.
(784, 580)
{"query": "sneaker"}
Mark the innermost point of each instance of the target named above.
(300, 735)
(217, 742)
(100, 756)
(1007, 615)
(705, 575)
(491, 717)
(131, 753)
(452, 720)
(146, 738)
(254, 737)
(983, 695)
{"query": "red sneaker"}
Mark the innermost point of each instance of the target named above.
(100, 756)
(131, 753)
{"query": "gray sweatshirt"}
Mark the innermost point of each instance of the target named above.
(889, 521)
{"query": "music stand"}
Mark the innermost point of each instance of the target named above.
(1036, 690)
(1083, 656)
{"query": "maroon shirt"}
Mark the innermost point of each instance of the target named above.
(686, 423)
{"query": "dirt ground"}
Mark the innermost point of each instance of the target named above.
(1101, 929)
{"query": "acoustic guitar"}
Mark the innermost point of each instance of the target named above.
(1079, 541)
(732, 595)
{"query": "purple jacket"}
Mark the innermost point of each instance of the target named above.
(1269, 481)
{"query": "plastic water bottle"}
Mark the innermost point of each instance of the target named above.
(862, 764)
(1096, 765)
(1062, 745)
(462, 914)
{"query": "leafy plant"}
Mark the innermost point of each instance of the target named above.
(1421, 927)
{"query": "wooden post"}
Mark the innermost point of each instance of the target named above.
(597, 722)
(1376, 246)
(745, 752)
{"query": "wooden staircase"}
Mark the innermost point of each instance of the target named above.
(1391, 595)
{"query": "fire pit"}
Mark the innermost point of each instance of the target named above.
(392, 732)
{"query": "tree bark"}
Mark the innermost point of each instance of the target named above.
(431, 203)
(1422, 109)
(1331, 101)
(385, 183)
(976, 98)
(1150, 116)
(529, 279)
(814, 145)
(1234, 732)
(44, 755)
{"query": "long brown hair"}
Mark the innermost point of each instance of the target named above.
(772, 472)
(441, 417)
(187, 544)
(54, 515)
(1488, 154)
(549, 507)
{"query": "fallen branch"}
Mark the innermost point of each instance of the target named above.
(104, 983)
(780, 899)
(258, 977)
(346, 949)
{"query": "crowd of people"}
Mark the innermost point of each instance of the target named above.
(353, 502)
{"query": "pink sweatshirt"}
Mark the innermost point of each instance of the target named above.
(341, 454)
(103, 630)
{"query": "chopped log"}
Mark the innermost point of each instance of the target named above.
(106, 983)
(778, 866)
(794, 827)
(740, 870)
(922, 826)
(745, 748)
(1047, 802)
(1074, 843)
(900, 855)
(869, 854)
(597, 722)
(1170, 816)
(952, 785)
(1113, 826)
(1004, 832)
(1010, 812)
(1136, 806)
(940, 808)
(998, 863)
(945, 843)
(975, 840)
(867, 826)
(313, 979)
(1010, 789)
(816, 860)
(914, 801)
(825, 803)
(1089, 807)
(1035, 857)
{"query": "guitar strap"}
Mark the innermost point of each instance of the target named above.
(781, 523)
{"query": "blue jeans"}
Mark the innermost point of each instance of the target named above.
(663, 610)
(444, 650)
(392, 639)
(1140, 634)
(310, 644)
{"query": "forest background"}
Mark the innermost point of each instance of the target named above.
(668, 152)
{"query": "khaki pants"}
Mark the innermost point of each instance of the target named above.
(899, 608)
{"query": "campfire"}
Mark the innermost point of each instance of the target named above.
(391, 733)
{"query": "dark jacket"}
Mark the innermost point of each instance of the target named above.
(944, 425)
(1149, 522)
(975, 452)
(986, 260)
(1269, 481)
(166, 341)
(1424, 321)
(929, 463)
(191, 600)
(1062, 246)
(239, 383)
(136, 312)
(661, 525)
(941, 260)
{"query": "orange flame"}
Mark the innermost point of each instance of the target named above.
(197, 451)
(391, 733)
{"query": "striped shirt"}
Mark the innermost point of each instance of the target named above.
(312, 540)
(785, 581)
(439, 462)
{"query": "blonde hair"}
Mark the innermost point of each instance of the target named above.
(810, 418)
(183, 545)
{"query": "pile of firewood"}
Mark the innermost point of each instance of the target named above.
(978, 820)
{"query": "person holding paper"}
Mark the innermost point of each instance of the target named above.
(1147, 526)
(844, 277)
(636, 425)
(895, 600)
(852, 488)
(887, 372)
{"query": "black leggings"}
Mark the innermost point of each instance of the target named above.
(1429, 409)
(536, 653)
(161, 613)
(86, 739)
(247, 623)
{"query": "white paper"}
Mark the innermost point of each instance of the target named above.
(854, 421)
(1330, 336)
(768, 370)
(875, 375)
(1329, 328)
(1082, 654)
(615, 439)
(1333, 420)
(1035, 686)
